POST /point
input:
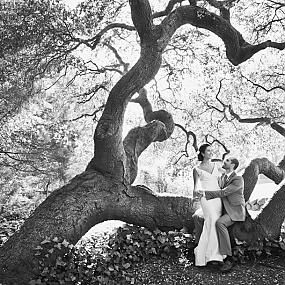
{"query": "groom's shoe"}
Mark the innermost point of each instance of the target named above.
(214, 264)
(227, 266)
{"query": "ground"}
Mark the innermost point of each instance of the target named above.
(170, 271)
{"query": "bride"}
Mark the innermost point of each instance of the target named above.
(206, 177)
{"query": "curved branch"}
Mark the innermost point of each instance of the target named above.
(96, 39)
(265, 120)
(237, 49)
(188, 134)
(159, 128)
(261, 166)
(275, 126)
(119, 58)
(278, 128)
(145, 104)
(262, 87)
(227, 151)
(249, 120)
(282, 163)
(272, 216)
(109, 154)
(268, 223)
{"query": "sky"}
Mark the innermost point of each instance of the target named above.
(71, 3)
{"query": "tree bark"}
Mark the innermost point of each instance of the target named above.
(268, 223)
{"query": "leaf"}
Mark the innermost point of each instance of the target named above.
(45, 241)
(65, 243)
(162, 239)
(259, 252)
(58, 245)
(55, 239)
(126, 265)
(147, 232)
(111, 268)
(59, 262)
(153, 250)
(156, 231)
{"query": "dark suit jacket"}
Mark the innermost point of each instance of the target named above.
(232, 197)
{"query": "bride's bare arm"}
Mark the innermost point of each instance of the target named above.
(196, 192)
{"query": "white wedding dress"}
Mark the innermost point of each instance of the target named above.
(208, 246)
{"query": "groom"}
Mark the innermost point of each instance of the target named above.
(231, 193)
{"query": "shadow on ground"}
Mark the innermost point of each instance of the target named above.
(170, 271)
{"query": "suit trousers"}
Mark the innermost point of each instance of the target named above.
(222, 225)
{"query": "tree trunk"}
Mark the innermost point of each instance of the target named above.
(104, 190)
(89, 198)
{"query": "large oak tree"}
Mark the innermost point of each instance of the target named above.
(105, 189)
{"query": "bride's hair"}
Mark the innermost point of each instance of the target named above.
(202, 149)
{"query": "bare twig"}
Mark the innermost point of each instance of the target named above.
(188, 134)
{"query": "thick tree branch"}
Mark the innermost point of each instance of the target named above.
(157, 210)
(268, 223)
(237, 49)
(142, 18)
(282, 163)
(272, 216)
(145, 104)
(90, 198)
(108, 134)
(159, 128)
(261, 166)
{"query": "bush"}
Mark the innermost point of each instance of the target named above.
(62, 263)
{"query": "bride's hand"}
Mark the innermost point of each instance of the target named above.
(198, 194)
